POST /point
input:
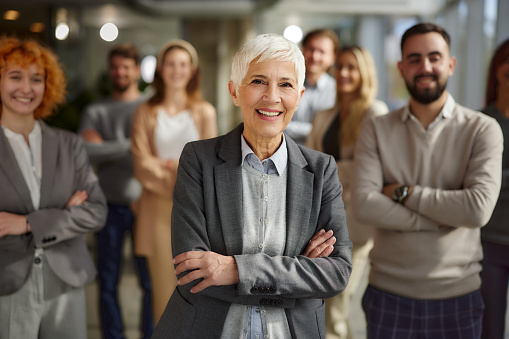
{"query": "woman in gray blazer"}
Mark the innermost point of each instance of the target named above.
(245, 207)
(49, 198)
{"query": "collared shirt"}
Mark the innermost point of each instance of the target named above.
(29, 158)
(445, 113)
(253, 322)
(315, 98)
(274, 164)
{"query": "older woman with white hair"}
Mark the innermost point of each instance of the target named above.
(259, 232)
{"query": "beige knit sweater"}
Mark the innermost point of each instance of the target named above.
(429, 248)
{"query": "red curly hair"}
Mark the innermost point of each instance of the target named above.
(27, 52)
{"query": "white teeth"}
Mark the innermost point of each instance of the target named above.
(269, 114)
(24, 99)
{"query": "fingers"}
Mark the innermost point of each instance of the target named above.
(213, 268)
(78, 198)
(324, 249)
(319, 243)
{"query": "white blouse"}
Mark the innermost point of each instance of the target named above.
(172, 133)
(29, 158)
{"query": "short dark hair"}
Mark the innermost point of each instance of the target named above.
(126, 50)
(423, 28)
(327, 33)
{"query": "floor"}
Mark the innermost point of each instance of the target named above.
(130, 301)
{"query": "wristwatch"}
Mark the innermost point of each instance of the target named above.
(400, 193)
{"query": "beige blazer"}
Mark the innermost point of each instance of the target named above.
(359, 233)
(154, 204)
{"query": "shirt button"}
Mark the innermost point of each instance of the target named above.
(260, 245)
(265, 176)
(37, 260)
(266, 198)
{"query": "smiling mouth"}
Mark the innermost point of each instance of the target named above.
(23, 100)
(268, 114)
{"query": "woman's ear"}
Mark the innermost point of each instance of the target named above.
(233, 93)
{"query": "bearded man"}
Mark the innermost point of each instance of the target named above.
(427, 177)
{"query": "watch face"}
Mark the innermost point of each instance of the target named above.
(399, 193)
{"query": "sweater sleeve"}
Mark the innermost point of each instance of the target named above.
(369, 205)
(472, 205)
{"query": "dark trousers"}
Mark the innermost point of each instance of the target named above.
(109, 243)
(395, 317)
(495, 277)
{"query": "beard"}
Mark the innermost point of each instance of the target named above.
(427, 95)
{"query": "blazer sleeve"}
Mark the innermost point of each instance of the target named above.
(149, 169)
(56, 224)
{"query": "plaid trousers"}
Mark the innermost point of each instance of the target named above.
(390, 316)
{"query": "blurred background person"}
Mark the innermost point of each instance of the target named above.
(335, 132)
(319, 48)
(247, 205)
(49, 199)
(495, 235)
(106, 128)
(173, 116)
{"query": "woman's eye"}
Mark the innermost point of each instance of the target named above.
(286, 84)
(257, 82)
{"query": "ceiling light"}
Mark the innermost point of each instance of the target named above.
(11, 15)
(293, 33)
(62, 31)
(108, 32)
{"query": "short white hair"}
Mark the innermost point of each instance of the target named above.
(267, 47)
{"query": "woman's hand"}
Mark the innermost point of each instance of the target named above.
(320, 245)
(12, 224)
(215, 269)
(77, 199)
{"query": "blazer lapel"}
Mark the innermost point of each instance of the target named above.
(299, 194)
(10, 166)
(228, 182)
(49, 162)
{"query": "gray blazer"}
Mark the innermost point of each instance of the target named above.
(207, 216)
(60, 231)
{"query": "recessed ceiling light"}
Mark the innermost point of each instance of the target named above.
(11, 15)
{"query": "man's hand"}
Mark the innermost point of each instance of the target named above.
(215, 269)
(387, 190)
(320, 245)
(92, 136)
(12, 224)
(77, 199)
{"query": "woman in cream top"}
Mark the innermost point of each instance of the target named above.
(173, 116)
(335, 132)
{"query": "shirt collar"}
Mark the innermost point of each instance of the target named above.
(279, 158)
(446, 112)
(35, 133)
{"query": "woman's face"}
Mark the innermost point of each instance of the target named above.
(348, 75)
(268, 98)
(503, 75)
(176, 70)
(21, 89)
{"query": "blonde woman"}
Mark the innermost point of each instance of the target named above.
(173, 116)
(335, 132)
